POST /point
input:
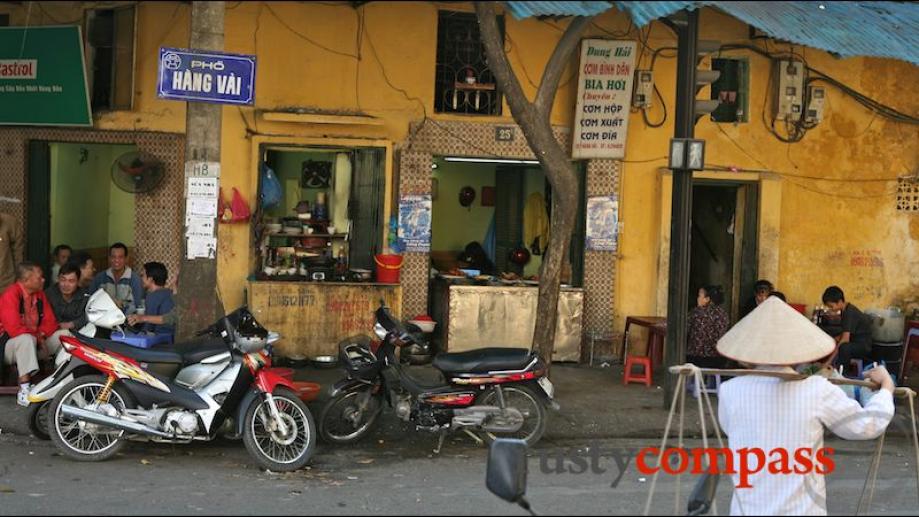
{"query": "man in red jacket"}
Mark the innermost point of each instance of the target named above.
(27, 324)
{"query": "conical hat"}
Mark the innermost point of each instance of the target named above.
(775, 334)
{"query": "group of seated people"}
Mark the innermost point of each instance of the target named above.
(32, 320)
(709, 321)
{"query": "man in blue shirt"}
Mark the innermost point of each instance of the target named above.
(119, 281)
(158, 301)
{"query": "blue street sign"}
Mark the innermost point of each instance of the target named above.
(207, 76)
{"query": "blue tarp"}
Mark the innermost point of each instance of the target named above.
(882, 29)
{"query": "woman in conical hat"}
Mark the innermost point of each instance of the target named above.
(781, 418)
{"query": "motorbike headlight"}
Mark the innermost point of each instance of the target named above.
(379, 331)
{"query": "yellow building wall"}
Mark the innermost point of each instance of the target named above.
(826, 226)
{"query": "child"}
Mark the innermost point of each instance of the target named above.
(158, 300)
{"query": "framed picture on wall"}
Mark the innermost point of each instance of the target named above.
(316, 174)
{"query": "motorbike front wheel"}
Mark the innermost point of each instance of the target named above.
(276, 449)
(342, 420)
(38, 420)
(530, 406)
(84, 441)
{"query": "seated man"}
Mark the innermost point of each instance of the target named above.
(854, 337)
(60, 256)
(119, 281)
(84, 263)
(68, 300)
(762, 289)
(158, 301)
(29, 328)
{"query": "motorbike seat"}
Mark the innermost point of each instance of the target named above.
(159, 354)
(190, 352)
(483, 360)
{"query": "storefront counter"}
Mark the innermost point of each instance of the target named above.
(313, 317)
(486, 316)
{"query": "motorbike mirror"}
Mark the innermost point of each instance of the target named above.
(506, 476)
(700, 500)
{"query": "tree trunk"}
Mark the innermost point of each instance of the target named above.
(534, 120)
(197, 304)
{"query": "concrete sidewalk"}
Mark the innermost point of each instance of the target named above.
(595, 405)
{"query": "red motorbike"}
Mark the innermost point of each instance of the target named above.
(212, 385)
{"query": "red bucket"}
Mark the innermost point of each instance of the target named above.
(388, 267)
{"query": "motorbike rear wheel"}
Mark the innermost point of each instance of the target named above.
(530, 406)
(38, 420)
(342, 422)
(273, 450)
(83, 441)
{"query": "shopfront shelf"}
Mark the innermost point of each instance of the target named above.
(302, 235)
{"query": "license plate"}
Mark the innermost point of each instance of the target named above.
(547, 386)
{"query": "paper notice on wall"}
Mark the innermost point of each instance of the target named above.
(601, 118)
(199, 227)
(201, 247)
(201, 207)
(415, 223)
(202, 188)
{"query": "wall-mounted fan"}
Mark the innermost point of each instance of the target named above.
(137, 172)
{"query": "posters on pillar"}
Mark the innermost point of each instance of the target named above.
(415, 223)
(604, 96)
(199, 227)
(202, 188)
(201, 247)
(602, 223)
(201, 207)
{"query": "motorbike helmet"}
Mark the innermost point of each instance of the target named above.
(250, 337)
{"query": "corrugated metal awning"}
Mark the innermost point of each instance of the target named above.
(883, 29)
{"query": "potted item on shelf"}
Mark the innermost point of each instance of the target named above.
(360, 275)
(321, 210)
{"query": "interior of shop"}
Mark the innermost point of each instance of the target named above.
(723, 249)
(327, 224)
(89, 211)
(490, 229)
(502, 208)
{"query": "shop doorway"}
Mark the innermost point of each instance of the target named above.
(724, 240)
(508, 211)
(73, 200)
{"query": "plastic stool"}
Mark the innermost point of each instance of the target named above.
(634, 360)
(705, 389)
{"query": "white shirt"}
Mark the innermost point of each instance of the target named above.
(770, 413)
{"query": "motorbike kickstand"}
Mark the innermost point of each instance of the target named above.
(478, 441)
(440, 441)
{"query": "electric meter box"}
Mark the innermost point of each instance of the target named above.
(644, 89)
(790, 97)
(816, 97)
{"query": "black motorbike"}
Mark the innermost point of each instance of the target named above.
(490, 392)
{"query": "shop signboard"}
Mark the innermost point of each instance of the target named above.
(601, 117)
(415, 223)
(602, 223)
(206, 76)
(42, 77)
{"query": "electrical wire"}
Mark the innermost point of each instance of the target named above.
(644, 112)
(304, 37)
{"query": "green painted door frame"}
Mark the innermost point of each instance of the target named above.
(38, 205)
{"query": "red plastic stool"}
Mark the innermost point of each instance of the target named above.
(644, 376)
